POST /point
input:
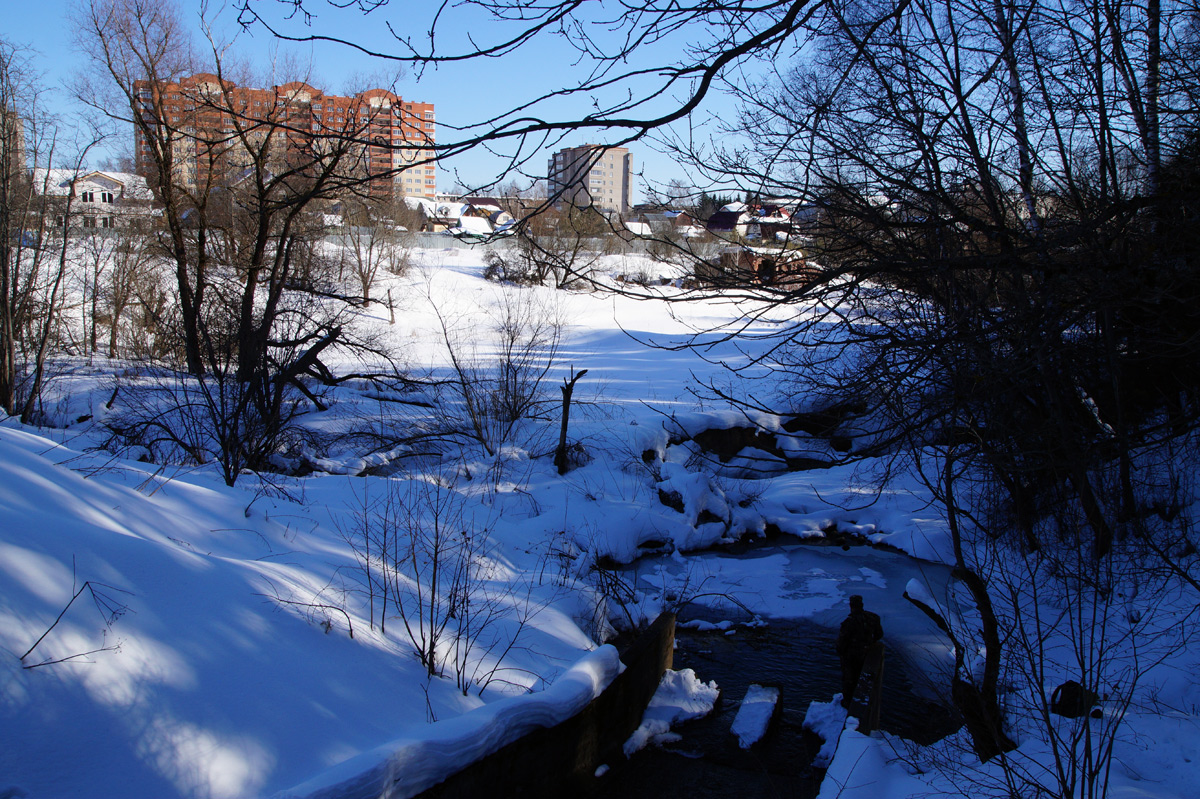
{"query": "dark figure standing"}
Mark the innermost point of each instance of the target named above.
(860, 631)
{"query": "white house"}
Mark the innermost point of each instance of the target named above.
(102, 199)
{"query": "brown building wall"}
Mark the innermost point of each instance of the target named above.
(199, 110)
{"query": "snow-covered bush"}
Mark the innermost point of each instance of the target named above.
(491, 393)
(423, 561)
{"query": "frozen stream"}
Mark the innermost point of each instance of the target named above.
(801, 591)
(786, 579)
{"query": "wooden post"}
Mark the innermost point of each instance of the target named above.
(875, 701)
(567, 389)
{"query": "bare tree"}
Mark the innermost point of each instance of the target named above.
(424, 562)
(694, 48)
(35, 245)
(131, 269)
(986, 174)
(989, 285)
(146, 40)
(372, 244)
(18, 260)
(96, 254)
(242, 187)
(560, 247)
(499, 368)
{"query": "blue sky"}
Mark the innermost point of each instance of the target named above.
(463, 93)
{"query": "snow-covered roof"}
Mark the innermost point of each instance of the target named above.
(57, 183)
(451, 210)
(474, 225)
(502, 221)
(425, 206)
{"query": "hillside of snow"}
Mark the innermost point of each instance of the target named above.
(162, 634)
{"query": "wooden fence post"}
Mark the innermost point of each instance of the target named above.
(875, 701)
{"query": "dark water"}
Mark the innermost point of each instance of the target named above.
(794, 655)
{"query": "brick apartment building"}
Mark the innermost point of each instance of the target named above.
(592, 175)
(392, 135)
(12, 146)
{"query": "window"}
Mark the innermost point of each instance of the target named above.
(88, 196)
(89, 221)
(106, 221)
(106, 196)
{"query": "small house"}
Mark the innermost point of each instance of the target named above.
(764, 266)
(100, 199)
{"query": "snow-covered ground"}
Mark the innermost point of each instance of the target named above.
(166, 635)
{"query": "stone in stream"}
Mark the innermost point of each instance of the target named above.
(754, 715)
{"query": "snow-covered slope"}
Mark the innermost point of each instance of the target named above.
(179, 673)
(163, 635)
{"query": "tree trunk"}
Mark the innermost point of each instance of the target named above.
(567, 389)
(977, 703)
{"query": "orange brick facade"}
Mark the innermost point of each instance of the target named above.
(391, 138)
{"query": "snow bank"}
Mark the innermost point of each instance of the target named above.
(703, 505)
(406, 766)
(693, 423)
(861, 769)
(917, 591)
(1158, 756)
(681, 696)
(211, 660)
(826, 719)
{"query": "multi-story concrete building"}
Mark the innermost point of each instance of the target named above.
(592, 175)
(203, 118)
